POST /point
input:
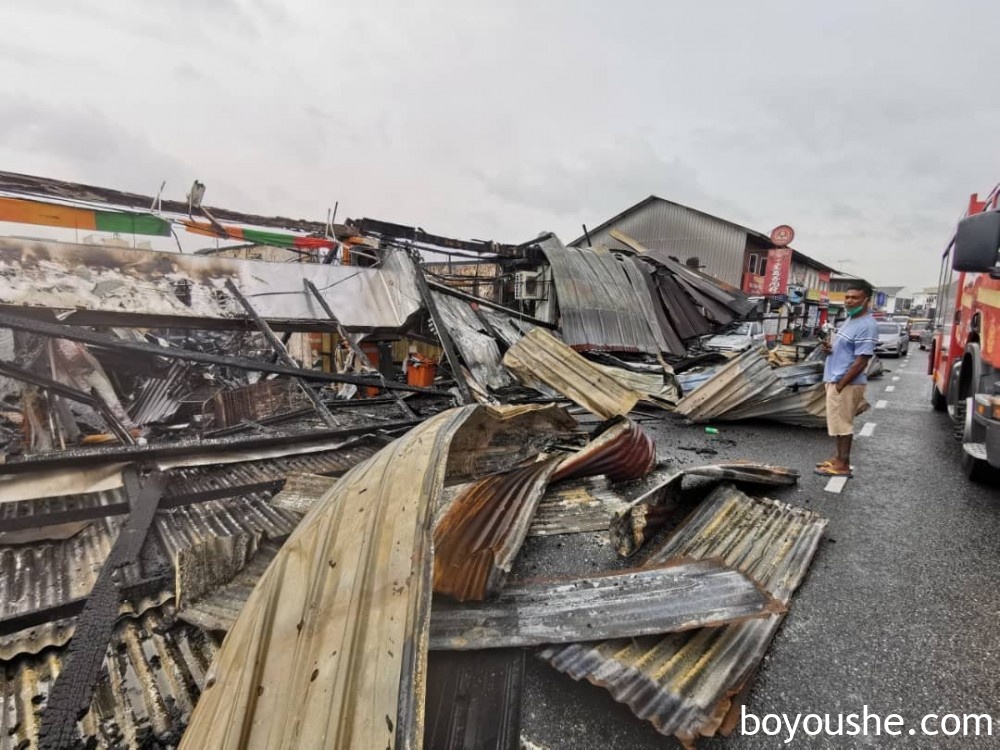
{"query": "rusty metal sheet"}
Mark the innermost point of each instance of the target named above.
(330, 649)
(658, 599)
(541, 357)
(683, 683)
(479, 534)
(598, 308)
(115, 285)
(474, 700)
(621, 450)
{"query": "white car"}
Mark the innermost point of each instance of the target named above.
(892, 339)
(737, 337)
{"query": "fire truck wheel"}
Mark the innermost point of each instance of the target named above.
(938, 402)
(975, 469)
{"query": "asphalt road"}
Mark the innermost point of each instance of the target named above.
(900, 608)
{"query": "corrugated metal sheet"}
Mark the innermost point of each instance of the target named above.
(744, 379)
(598, 308)
(805, 407)
(576, 506)
(652, 386)
(219, 609)
(745, 471)
(509, 328)
(330, 648)
(160, 398)
(683, 683)
(478, 348)
(541, 357)
(302, 491)
(479, 534)
(43, 575)
(682, 233)
(206, 544)
(685, 316)
(722, 300)
(621, 451)
(474, 700)
(209, 543)
(252, 469)
(747, 387)
(654, 599)
(152, 675)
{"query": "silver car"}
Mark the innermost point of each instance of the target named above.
(893, 340)
(738, 337)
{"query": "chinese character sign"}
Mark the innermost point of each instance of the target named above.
(779, 264)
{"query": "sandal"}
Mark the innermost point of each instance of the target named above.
(828, 461)
(829, 471)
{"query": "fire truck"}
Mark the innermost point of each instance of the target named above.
(965, 351)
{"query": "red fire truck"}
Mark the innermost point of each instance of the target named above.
(965, 351)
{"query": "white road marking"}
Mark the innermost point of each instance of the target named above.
(836, 484)
(881, 404)
(867, 430)
(890, 388)
(895, 378)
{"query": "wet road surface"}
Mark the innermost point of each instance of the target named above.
(900, 609)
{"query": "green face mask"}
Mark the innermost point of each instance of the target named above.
(852, 311)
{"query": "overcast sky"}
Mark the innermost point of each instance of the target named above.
(863, 124)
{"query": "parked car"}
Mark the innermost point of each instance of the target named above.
(892, 339)
(903, 320)
(737, 337)
(917, 327)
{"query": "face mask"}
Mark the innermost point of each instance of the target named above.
(852, 311)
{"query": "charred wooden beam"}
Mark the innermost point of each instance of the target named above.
(71, 695)
(55, 330)
(140, 453)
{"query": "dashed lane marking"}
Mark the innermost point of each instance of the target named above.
(890, 388)
(895, 378)
(881, 404)
(867, 430)
(836, 484)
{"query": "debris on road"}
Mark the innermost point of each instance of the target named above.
(338, 454)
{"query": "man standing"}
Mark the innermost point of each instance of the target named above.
(844, 376)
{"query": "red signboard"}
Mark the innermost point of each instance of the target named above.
(782, 235)
(824, 286)
(753, 284)
(779, 265)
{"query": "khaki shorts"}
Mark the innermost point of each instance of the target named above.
(843, 407)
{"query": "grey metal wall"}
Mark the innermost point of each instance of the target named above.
(684, 234)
